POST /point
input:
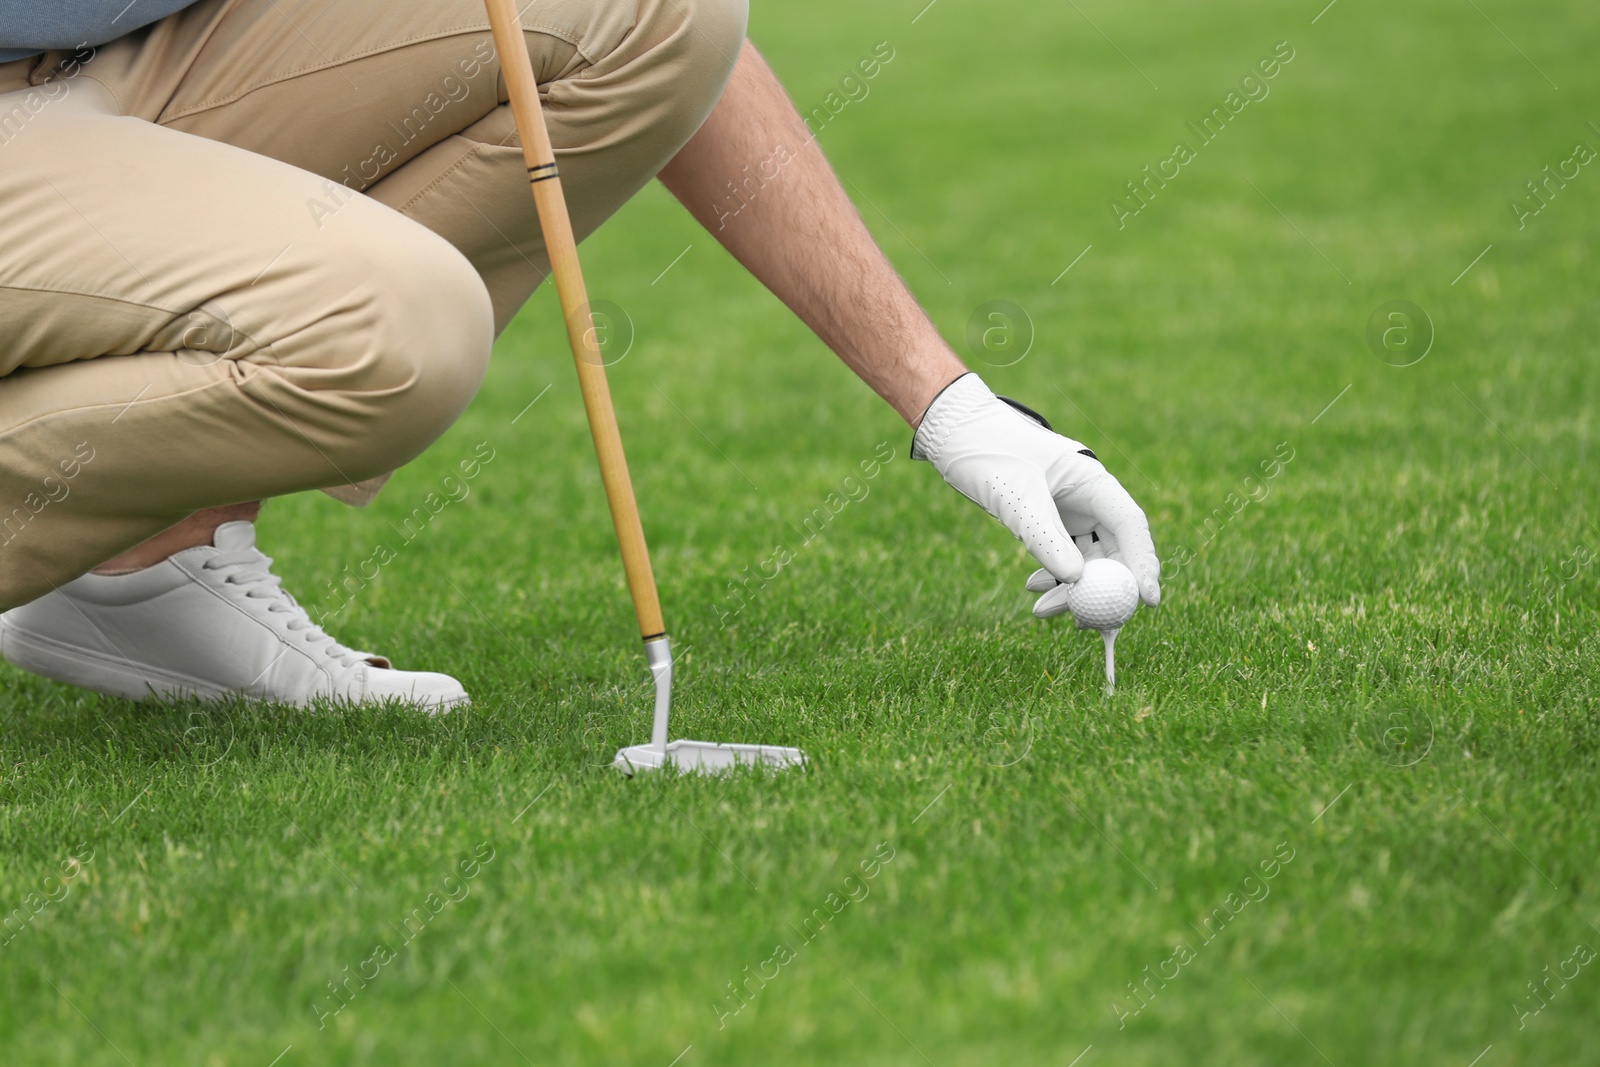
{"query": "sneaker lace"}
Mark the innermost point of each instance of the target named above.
(250, 572)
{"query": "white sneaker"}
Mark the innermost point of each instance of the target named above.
(212, 622)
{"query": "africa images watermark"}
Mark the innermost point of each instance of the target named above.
(1400, 333)
(1254, 86)
(854, 87)
(411, 527)
(27, 105)
(1543, 189)
(451, 90)
(53, 890)
(749, 985)
(344, 991)
(1551, 582)
(53, 489)
(1254, 890)
(1538, 1001)
(1251, 490)
(851, 489)
(1000, 333)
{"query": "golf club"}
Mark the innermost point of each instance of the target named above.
(551, 205)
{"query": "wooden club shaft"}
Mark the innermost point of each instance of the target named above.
(517, 69)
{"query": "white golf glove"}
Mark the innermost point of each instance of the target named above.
(1045, 488)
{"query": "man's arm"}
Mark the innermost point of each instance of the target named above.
(796, 230)
(802, 237)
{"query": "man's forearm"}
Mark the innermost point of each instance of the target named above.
(759, 183)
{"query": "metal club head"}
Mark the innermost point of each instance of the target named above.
(703, 757)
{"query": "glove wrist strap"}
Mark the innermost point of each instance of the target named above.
(961, 398)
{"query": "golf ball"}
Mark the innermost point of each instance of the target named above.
(1105, 597)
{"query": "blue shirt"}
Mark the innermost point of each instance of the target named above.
(28, 27)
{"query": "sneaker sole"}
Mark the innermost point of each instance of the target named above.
(88, 669)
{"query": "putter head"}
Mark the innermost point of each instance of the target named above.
(701, 757)
(705, 757)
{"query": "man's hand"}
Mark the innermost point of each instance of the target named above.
(1046, 489)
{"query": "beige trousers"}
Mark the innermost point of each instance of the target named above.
(263, 246)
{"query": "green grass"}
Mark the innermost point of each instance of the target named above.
(1382, 665)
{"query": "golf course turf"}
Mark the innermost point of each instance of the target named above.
(1342, 807)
